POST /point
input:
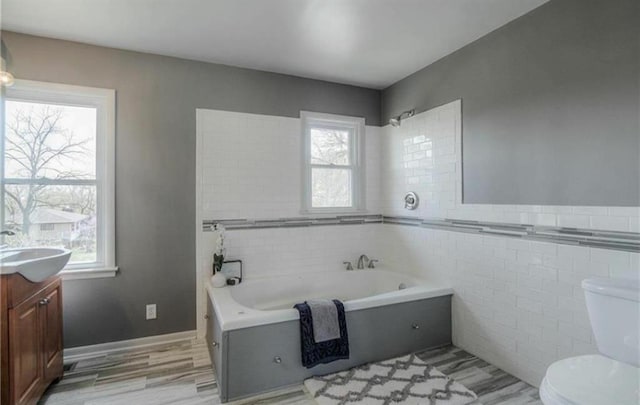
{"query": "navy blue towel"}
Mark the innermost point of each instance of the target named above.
(324, 352)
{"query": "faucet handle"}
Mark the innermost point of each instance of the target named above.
(372, 263)
(349, 265)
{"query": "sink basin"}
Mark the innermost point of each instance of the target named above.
(34, 264)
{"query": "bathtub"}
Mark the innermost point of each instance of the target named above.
(253, 331)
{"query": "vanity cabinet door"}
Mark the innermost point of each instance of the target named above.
(25, 350)
(51, 318)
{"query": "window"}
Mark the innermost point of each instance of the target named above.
(333, 175)
(57, 171)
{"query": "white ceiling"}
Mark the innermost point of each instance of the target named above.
(372, 43)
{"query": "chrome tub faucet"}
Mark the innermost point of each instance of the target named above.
(362, 261)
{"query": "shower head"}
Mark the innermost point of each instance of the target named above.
(395, 121)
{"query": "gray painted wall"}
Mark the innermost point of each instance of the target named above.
(550, 106)
(157, 99)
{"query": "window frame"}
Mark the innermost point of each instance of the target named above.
(356, 127)
(103, 100)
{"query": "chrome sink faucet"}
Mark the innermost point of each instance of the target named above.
(362, 261)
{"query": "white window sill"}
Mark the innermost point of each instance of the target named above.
(80, 274)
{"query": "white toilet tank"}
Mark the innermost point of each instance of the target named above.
(614, 311)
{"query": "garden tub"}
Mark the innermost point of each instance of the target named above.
(254, 337)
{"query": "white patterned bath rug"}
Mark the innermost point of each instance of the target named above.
(405, 380)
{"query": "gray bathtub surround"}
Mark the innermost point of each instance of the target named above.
(625, 241)
(550, 106)
(258, 359)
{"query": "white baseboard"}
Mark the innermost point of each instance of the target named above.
(83, 352)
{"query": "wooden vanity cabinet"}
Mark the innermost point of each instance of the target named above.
(30, 338)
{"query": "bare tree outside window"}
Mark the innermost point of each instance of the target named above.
(49, 180)
(331, 181)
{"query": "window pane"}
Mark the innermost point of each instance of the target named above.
(330, 188)
(330, 146)
(47, 140)
(52, 216)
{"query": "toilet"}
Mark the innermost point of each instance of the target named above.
(613, 376)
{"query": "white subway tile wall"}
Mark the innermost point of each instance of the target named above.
(284, 251)
(424, 155)
(518, 304)
(251, 165)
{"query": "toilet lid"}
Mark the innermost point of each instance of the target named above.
(594, 379)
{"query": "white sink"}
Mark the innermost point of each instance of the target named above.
(34, 264)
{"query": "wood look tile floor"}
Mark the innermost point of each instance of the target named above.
(181, 373)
